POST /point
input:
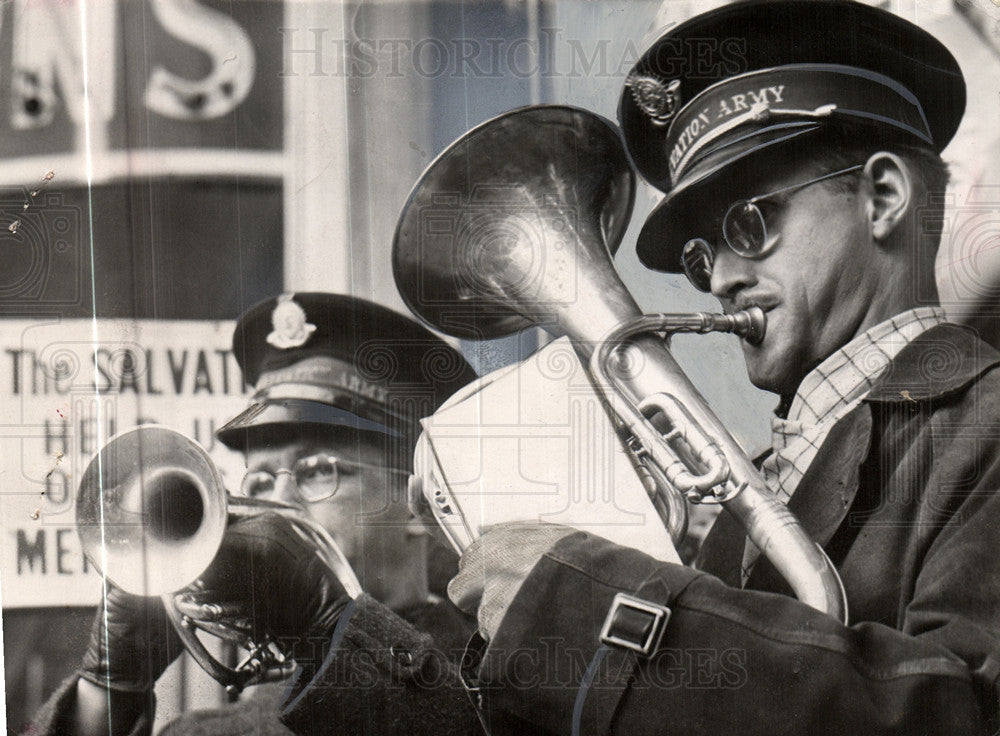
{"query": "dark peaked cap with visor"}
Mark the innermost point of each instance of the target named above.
(715, 99)
(332, 360)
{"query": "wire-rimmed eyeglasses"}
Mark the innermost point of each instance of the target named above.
(317, 477)
(744, 230)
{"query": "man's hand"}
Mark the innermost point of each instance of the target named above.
(270, 577)
(492, 570)
(131, 643)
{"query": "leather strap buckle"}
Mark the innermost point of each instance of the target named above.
(634, 623)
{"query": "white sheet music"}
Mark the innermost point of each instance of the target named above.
(533, 443)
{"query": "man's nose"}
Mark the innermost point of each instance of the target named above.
(731, 273)
(285, 489)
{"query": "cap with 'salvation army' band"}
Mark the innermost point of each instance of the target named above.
(717, 99)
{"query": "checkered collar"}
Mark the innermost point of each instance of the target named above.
(850, 372)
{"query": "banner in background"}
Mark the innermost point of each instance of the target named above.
(159, 74)
(62, 396)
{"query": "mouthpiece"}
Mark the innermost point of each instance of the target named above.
(750, 324)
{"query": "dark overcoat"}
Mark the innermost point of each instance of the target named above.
(383, 675)
(904, 495)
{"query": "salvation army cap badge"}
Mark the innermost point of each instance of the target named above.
(291, 329)
(658, 99)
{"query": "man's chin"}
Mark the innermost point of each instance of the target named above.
(765, 368)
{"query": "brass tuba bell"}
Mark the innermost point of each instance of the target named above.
(152, 512)
(511, 227)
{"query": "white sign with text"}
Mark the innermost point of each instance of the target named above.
(67, 387)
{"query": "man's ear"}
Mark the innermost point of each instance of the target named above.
(893, 192)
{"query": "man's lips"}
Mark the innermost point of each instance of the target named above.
(742, 303)
(766, 305)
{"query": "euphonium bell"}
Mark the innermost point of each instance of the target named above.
(511, 226)
(152, 513)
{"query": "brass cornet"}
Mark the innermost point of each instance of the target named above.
(152, 513)
(511, 227)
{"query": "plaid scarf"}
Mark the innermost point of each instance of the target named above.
(830, 391)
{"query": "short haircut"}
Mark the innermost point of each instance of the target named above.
(842, 145)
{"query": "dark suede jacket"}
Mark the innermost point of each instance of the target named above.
(904, 495)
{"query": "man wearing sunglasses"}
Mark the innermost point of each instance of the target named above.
(339, 387)
(802, 176)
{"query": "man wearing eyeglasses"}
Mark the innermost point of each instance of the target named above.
(804, 178)
(339, 387)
